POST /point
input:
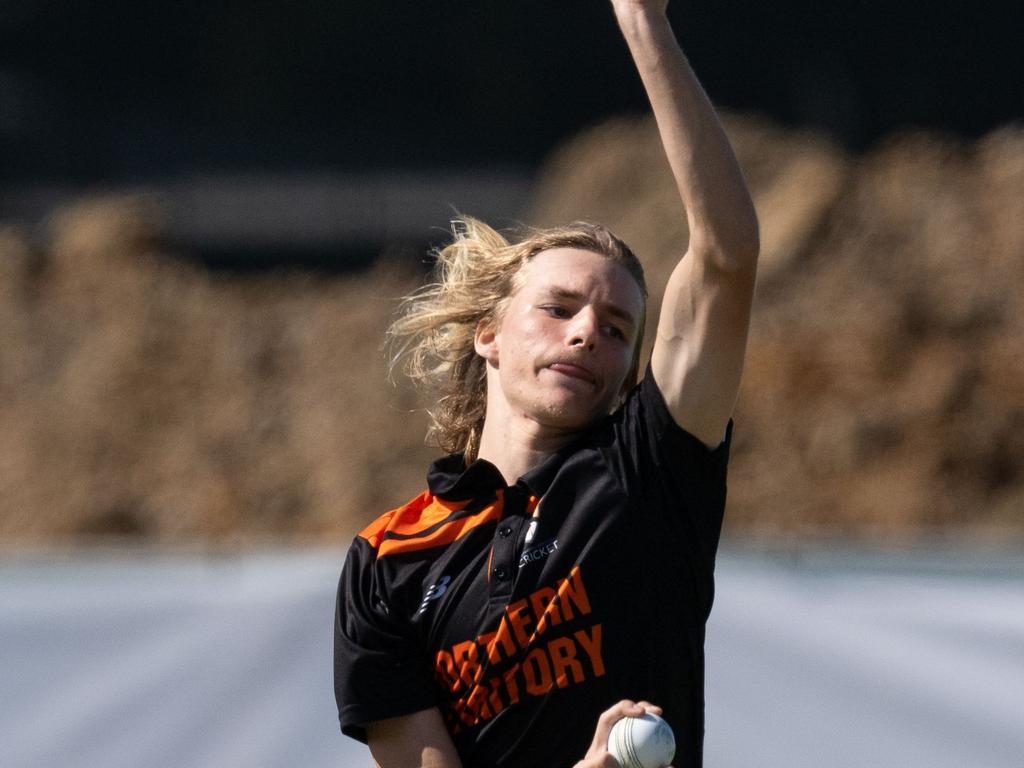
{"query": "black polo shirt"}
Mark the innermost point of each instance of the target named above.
(522, 612)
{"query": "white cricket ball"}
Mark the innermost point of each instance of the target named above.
(642, 742)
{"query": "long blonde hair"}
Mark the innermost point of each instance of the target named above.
(474, 276)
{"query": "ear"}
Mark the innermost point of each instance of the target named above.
(485, 341)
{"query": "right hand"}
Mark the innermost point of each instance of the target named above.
(598, 755)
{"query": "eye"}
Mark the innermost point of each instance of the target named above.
(615, 332)
(556, 310)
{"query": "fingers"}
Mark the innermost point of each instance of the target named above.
(598, 756)
(619, 710)
(654, 709)
(609, 717)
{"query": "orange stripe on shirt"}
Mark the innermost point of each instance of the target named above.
(415, 522)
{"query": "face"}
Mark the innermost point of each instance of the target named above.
(565, 341)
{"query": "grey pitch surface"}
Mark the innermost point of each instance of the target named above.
(814, 660)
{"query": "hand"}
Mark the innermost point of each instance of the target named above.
(598, 755)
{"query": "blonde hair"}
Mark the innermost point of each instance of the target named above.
(474, 277)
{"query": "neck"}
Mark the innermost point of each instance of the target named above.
(517, 445)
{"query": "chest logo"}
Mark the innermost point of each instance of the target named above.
(538, 552)
(434, 591)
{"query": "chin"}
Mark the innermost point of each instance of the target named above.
(571, 415)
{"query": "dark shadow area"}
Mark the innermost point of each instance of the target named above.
(242, 260)
(126, 92)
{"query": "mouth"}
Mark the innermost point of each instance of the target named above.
(574, 371)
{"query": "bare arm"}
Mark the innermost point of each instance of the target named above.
(419, 740)
(705, 315)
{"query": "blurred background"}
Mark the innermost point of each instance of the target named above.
(209, 210)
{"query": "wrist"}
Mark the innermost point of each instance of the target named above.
(641, 22)
(649, 36)
(631, 13)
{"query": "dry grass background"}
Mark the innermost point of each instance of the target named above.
(142, 396)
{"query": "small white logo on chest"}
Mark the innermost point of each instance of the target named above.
(434, 591)
(539, 552)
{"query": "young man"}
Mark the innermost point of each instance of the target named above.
(562, 558)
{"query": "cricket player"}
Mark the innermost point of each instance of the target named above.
(556, 574)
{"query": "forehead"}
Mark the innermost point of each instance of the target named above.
(580, 271)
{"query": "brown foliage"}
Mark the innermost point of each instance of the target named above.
(884, 387)
(144, 396)
(883, 394)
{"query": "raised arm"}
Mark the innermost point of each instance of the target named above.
(705, 315)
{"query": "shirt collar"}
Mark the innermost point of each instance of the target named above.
(449, 477)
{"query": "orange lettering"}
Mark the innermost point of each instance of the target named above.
(477, 703)
(465, 715)
(592, 645)
(563, 657)
(571, 590)
(444, 666)
(502, 637)
(545, 609)
(465, 656)
(520, 620)
(486, 641)
(537, 672)
(511, 685)
(495, 700)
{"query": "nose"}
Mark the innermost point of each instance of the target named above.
(584, 329)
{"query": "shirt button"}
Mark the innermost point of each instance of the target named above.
(500, 573)
(505, 531)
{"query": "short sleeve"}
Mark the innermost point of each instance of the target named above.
(379, 671)
(677, 483)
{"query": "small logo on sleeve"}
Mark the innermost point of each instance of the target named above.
(433, 592)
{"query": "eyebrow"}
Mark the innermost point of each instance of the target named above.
(611, 309)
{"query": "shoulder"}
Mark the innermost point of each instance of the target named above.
(424, 522)
(409, 515)
(648, 402)
(643, 411)
(642, 439)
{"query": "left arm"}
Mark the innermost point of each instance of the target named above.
(705, 314)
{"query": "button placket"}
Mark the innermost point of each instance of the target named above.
(506, 537)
